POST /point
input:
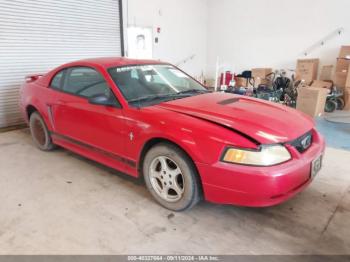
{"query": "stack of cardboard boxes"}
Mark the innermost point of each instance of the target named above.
(342, 74)
(342, 67)
(347, 92)
(307, 70)
(311, 98)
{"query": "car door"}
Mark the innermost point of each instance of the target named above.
(94, 127)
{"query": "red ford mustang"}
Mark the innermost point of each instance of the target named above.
(150, 119)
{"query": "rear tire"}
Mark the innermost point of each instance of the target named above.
(40, 134)
(171, 177)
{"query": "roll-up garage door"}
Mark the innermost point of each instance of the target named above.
(38, 35)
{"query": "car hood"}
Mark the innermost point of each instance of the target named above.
(264, 122)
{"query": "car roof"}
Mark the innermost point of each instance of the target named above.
(108, 62)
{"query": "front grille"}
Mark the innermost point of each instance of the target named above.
(303, 143)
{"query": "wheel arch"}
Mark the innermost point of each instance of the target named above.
(40, 109)
(30, 109)
(159, 140)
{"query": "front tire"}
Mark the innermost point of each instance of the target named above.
(40, 134)
(171, 177)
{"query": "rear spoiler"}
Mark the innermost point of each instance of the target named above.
(32, 78)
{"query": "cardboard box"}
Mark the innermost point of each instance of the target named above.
(342, 65)
(321, 84)
(307, 70)
(345, 52)
(312, 100)
(347, 83)
(261, 72)
(241, 82)
(347, 99)
(340, 79)
(326, 72)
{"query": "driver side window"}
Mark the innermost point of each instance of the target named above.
(85, 82)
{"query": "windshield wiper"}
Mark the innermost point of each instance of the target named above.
(192, 91)
(177, 95)
(150, 98)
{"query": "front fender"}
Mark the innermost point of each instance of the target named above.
(203, 141)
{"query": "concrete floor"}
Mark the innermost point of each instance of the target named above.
(60, 203)
(337, 135)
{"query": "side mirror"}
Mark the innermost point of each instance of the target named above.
(103, 100)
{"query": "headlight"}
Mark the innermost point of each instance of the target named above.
(267, 156)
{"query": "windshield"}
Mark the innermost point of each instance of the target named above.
(144, 85)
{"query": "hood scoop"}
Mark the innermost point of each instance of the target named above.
(229, 101)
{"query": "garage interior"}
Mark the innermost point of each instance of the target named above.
(60, 203)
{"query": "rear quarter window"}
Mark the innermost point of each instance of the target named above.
(56, 81)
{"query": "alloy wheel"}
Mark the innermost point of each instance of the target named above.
(166, 179)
